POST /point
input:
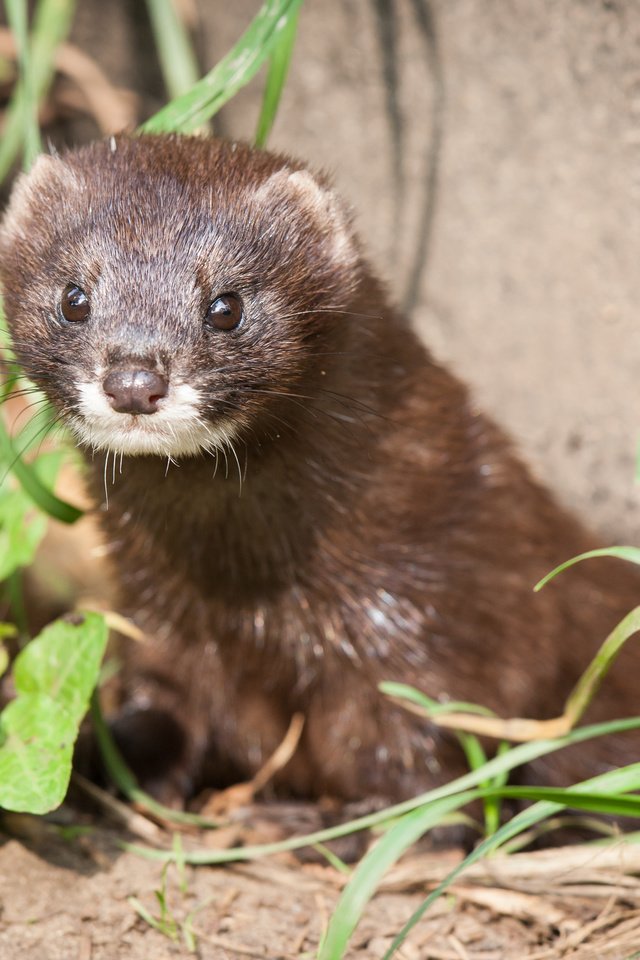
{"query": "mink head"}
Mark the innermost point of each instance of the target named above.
(164, 292)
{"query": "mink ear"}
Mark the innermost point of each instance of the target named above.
(46, 179)
(325, 208)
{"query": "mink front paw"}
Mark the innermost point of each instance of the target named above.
(155, 746)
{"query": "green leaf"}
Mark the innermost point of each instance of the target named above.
(192, 109)
(35, 756)
(21, 530)
(54, 676)
(276, 77)
(21, 525)
(63, 662)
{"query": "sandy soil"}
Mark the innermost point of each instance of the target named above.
(70, 898)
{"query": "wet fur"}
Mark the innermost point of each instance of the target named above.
(361, 521)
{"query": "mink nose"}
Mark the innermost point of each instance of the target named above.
(135, 391)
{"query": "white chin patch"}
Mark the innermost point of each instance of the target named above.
(175, 430)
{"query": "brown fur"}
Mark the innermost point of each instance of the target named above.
(383, 528)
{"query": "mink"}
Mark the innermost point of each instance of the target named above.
(298, 500)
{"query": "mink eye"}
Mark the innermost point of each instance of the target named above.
(74, 304)
(225, 312)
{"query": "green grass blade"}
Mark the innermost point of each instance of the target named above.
(192, 109)
(632, 554)
(491, 800)
(52, 21)
(493, 807)
(614, 805)
(523, 753)
(11, 461)
(472, 747)
(28, 479)
(411, 827)
(18, 24)
(8, 354)
(276, 77)
(375, 864)
(587, 685)
(177, 58)
(626, 778)
(332, 858)
(13, 132)
(17, 606)
(473, 750)
(432, 708)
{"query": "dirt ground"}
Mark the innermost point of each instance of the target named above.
(64, 898)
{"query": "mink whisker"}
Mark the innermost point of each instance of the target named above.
(17, 394)
(41, 402)
(106, 491)
(232, 448)
(336, 311)
(346, 400)
(54, 426)
(312, 411)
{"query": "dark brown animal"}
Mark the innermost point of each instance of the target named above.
(299, 501)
